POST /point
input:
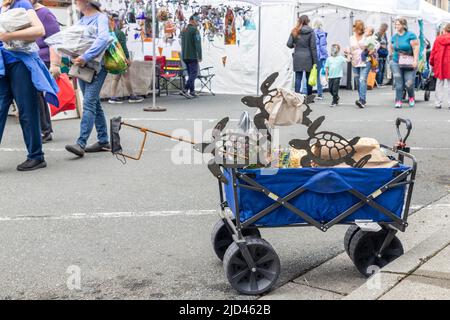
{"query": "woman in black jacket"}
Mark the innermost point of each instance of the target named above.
(303, 41)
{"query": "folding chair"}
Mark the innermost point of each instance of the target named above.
(205, 76)
(171, 72)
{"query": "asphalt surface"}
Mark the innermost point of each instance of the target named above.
(142, 230)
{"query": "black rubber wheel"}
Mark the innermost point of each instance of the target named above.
(365, 245)
(221, 237)
(427, 95)
(351, 231)
(266, 272)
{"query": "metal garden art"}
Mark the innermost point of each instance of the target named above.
(374, 202)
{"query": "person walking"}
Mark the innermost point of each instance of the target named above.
(383, 52)
(115, 26)
(19, 84)
(51, 59)
(361, 68)
(440, 61)
(322, 52)
(334, 68)
(405, 57)
(92, 108)
(303, 40)
(191, 52)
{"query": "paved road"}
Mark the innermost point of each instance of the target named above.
(141, 230)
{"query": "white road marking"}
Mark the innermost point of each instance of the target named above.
(237, 120)
(151, 214)
(188, 147)
(107, 215)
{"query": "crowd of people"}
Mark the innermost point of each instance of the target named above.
(368, 52)
(29, 79)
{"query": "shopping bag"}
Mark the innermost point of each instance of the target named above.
(115, 59)
(66, 95)
(313, 76)
(371, 80)
(323, 78)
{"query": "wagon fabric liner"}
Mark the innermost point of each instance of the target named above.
(326, 195)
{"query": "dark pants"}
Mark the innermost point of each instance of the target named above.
(46, 122)
(17, 85)
(298, 82)
(381, 71)
(333, 85)
(192, 70)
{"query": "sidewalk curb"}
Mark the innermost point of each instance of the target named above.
(391, 275)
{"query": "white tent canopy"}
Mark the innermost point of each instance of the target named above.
(265, 49)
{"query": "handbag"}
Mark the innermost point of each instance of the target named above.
(383, 53)
(405, 60)
(115, 59)
(312, 81)
(66, 96)
(83, 73)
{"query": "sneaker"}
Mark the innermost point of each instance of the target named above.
(114, 100)
(193, 94)
(319, 97)
(334, 104)
(412, 102)
(185, 94)
(135, 99)
(360, 104)
(31, 165)
(398, 104)
(438, 106)
(76, 149)
(47, 138)
(98, 147)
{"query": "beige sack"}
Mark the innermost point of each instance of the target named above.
(286, 109)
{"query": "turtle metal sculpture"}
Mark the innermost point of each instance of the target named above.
(261, 101)
(266, 98)
(330, 149)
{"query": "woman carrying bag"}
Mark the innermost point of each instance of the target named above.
(303, 40)
(22, 76)
(92, 109)
(405, 57)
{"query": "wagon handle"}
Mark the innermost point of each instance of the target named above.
(117, 123)
(407, 122)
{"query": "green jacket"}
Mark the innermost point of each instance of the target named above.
(191, 44)
(123, 41)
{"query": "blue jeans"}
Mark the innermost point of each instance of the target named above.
(298, 82)
(17, 85)
(360, 76)
(404, 80)
(92, 111)
(319, 84)
(381, 71)
(192, 70)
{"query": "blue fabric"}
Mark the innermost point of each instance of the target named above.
(403, 43)
(361, 74)
(403, 80)
(92, 111)
(25, 4)
(321, 44)
(100, 21)
(326, 196)
(40, 76)
(192, 67)
(17, 84)
(298, 82)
